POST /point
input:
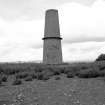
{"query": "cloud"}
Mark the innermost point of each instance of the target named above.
(82, 29)
(82, 23)
(31, 9)
(84, 51)
(21, 40)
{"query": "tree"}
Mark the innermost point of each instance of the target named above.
(101, 57)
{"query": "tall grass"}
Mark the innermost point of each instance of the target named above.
(44, 72)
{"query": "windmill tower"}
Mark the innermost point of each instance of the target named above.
(52, 52)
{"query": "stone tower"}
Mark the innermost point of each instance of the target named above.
(52, 52)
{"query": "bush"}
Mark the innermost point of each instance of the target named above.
(40, 76)
(22, 75)
(46, 78)
(43, 76)
(84, 67)
(10, 71)
(33, 75)
(62, 70)
(90, 73)
(29, 78)
(38, 69)
(57, 78)
(70, 75)
(71, 70)
(56, 73)
(102, 73)
(102, 67)
(67, 70)
(17, 82)
(101, 57)
(4, 79)
(1, 70)
(0, 82)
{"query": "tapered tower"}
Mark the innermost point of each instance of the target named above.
(52, 52)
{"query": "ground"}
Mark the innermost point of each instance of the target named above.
(64, 91)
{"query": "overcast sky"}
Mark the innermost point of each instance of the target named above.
(82, 26)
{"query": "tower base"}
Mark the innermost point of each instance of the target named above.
(52, 53)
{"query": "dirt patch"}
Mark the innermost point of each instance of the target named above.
(65, 91)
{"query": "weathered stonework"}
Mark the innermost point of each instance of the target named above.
(52, 52)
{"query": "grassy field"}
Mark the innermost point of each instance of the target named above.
(39, 84)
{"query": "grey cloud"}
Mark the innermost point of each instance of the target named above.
(31, 9)
(35, 46)
(91, 48)
(83, 39)
(85, 49)
(85, 2)
(6, 52)
(8, 48)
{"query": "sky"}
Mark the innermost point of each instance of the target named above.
(82, 27)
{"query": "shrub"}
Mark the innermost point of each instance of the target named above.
(54, 70)
(84, 67)
(71, 70)
(67, 70)
(17, 82)
(10, 71)
(102, 67)
(22, 75)
(102, 73)
(29, 78)
(43, 76)
(56, 73)
(40, 76)
(48, 73)
(70, 75)
(1, 70)
(0, 82)
(46, 78)
(62, 70)
(101, 57)
(4, 78)
(88, 74)
(57, 78)
(38, 69)
(33, 75)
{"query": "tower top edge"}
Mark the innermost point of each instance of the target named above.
(54, 10)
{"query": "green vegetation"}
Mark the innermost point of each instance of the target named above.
(4, 78)
(29, 78)
(70, 75)
(57, 78)
(101, 57)
(17, 82)
(30, 71)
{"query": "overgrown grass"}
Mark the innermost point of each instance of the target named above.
(17, 82)
(31, 71)
(29, 78)
(22, 75)
(4, 78)
(57, 78)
